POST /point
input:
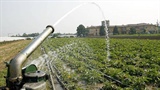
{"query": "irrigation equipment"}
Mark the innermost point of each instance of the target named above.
(29, 77)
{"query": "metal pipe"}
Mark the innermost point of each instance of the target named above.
(15, 65)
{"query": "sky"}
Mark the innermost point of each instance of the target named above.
(32, 16)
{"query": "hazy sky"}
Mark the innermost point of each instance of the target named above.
(30, 16)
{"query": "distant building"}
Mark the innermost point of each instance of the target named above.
(124, 29)
(93, 30)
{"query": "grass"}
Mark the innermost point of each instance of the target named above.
(7, 51)
(124, 51)
(10, 49)
(2, 74)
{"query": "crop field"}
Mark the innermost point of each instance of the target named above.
(82, 63)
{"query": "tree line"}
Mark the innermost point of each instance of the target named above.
(131, 31)
(83, 32)
(26, 35)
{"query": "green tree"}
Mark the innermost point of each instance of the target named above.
(132, 30)
(86, 32)
(81, 31)
(30, 35)
(144, 30)
(158, 29)
(24, 35)
(55, 35)
(115, 31)
(102, 31)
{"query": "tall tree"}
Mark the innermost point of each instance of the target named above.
(81, 31)
(144, 30)
(24, 35)
(86, 32)
(115, 31)
(132, 30)
(102, 31)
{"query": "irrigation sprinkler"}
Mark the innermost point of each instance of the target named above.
(29, 77)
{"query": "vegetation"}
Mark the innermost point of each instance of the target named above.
(26, 35)
(132, 30)
(55, 35)
(7, 51)
(102, 31)
(82, 63)
(82, 31)
(115, 31)
(30, 35)
(135, 63)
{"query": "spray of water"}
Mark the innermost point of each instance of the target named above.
(106, 28)
(59, 20)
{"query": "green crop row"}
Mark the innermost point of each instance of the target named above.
(133, 62)
(84, 65)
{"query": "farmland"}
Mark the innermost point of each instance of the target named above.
(7, 51)
(82, 63)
